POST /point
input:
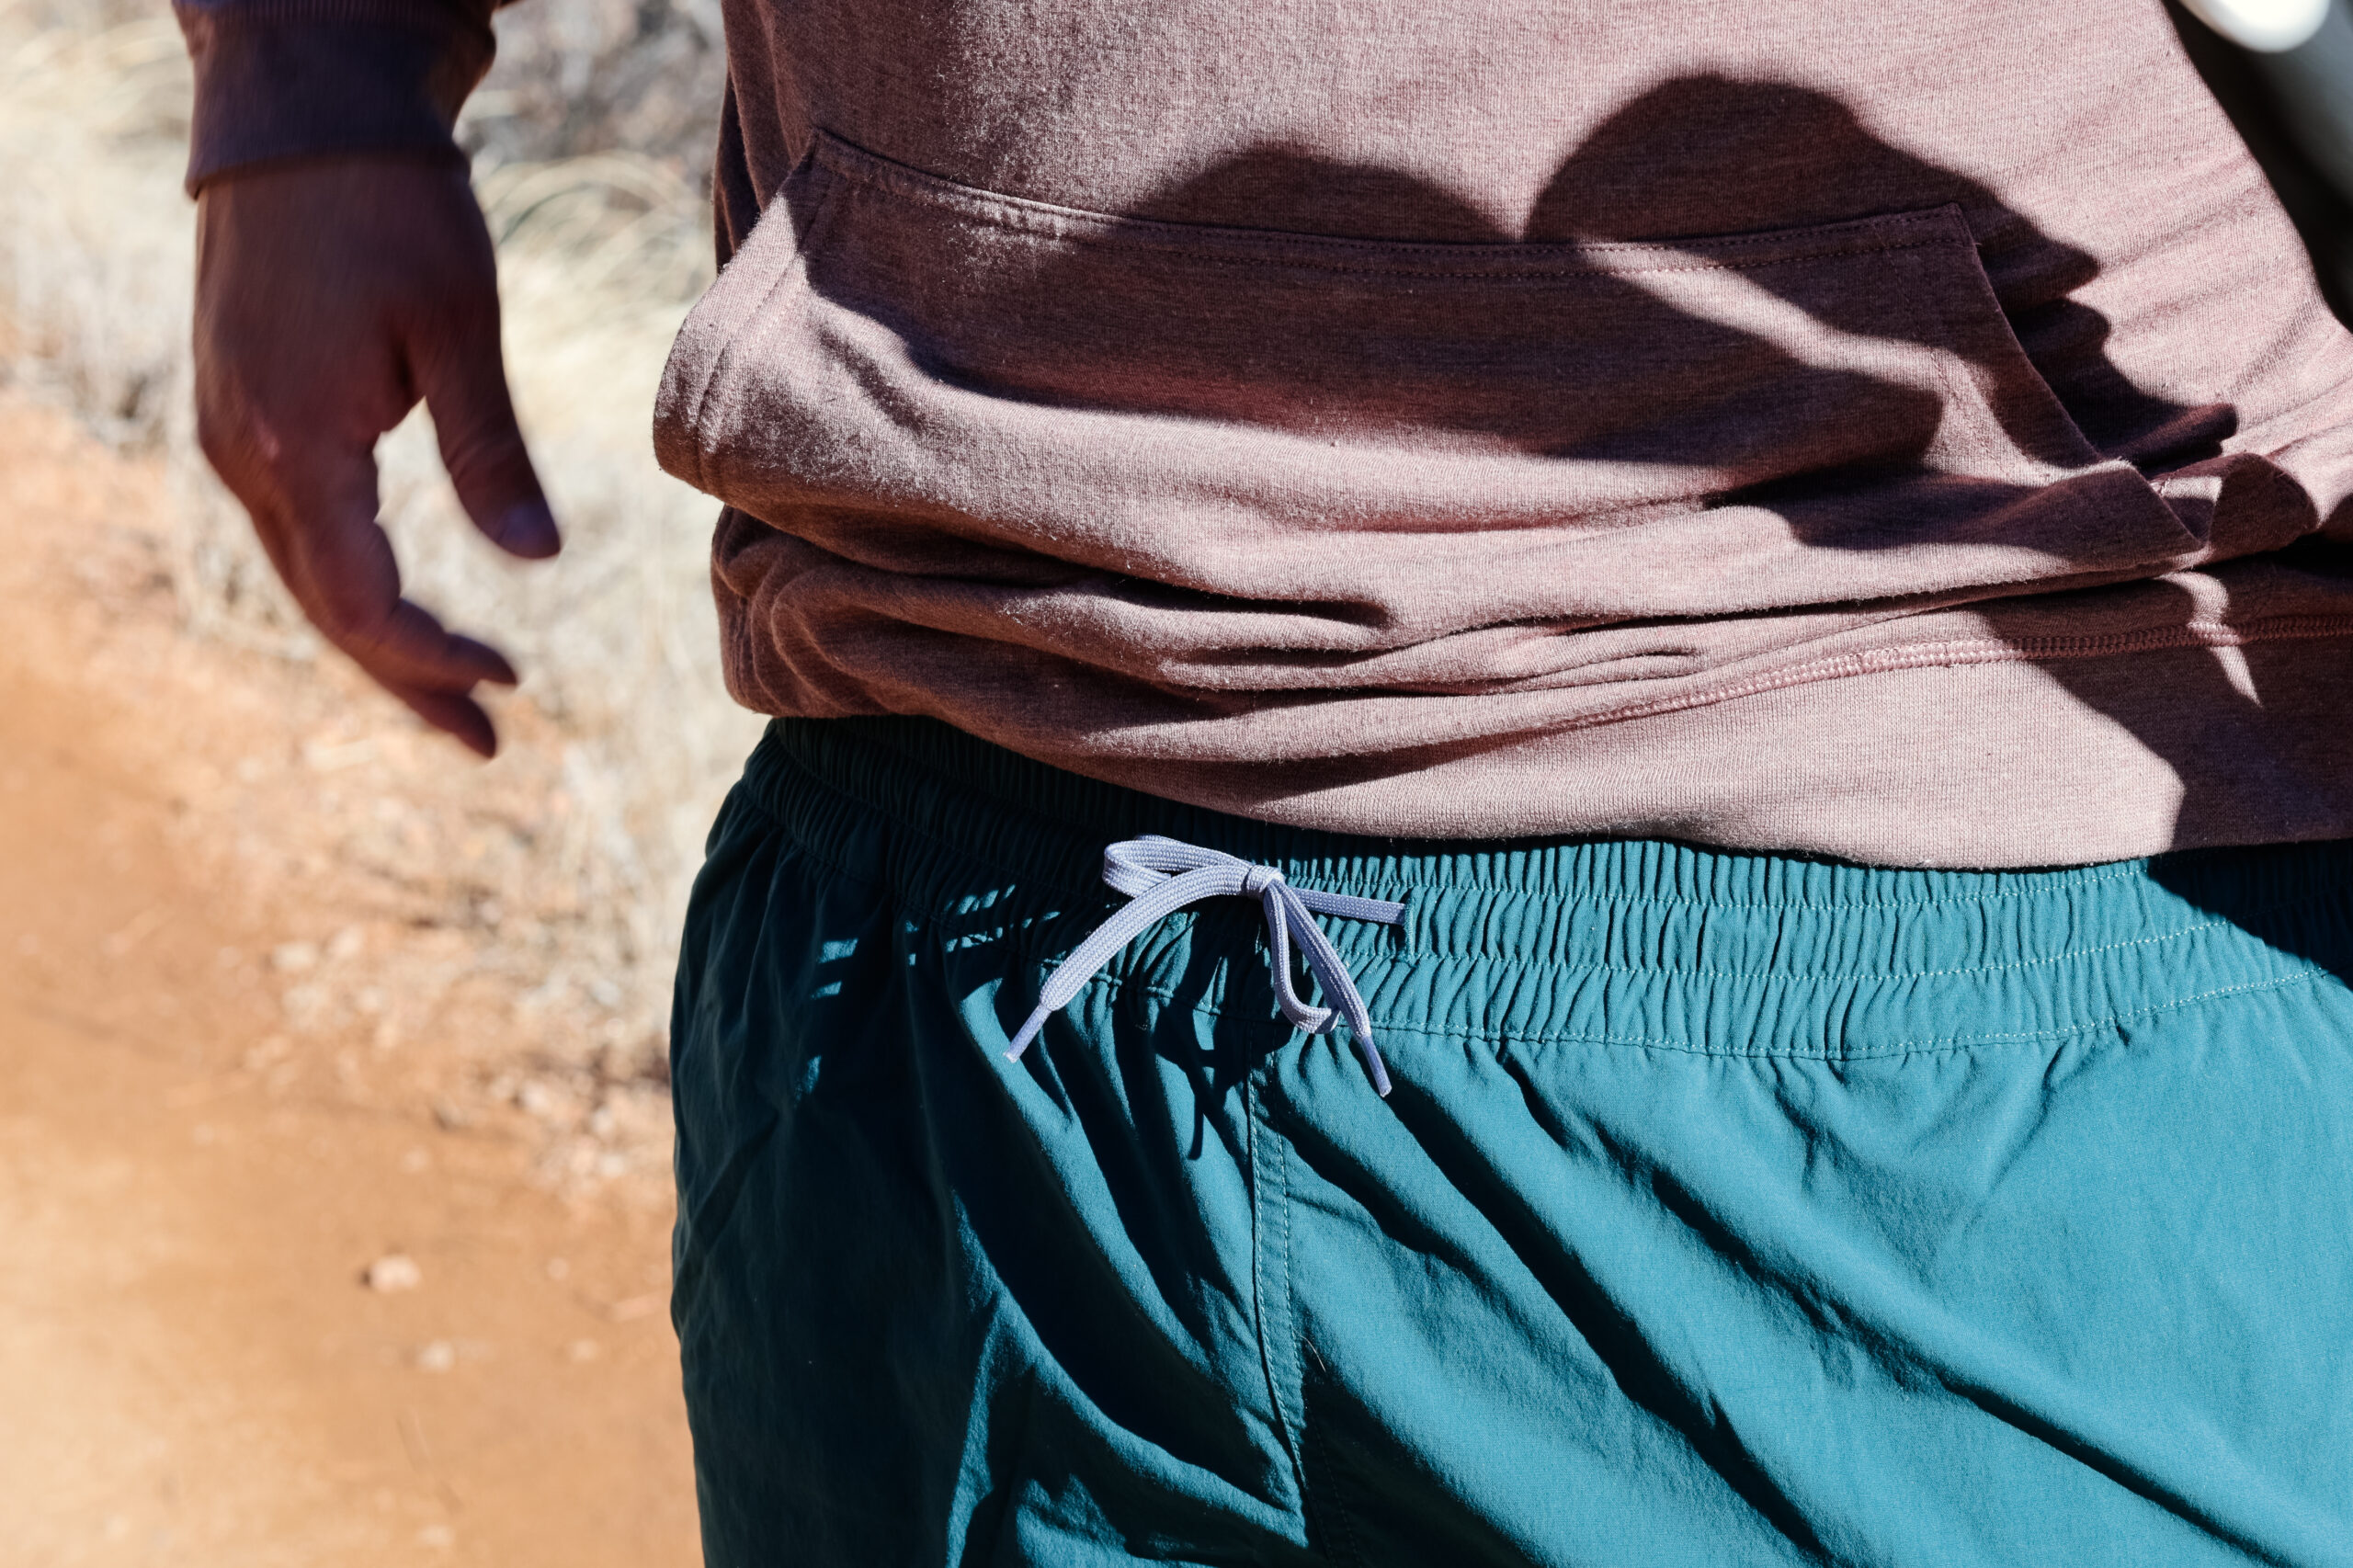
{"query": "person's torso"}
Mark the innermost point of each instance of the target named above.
(1324, 381)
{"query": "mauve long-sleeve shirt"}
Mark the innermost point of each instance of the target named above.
(1899, 430)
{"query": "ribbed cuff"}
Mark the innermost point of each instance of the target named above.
(280, 79)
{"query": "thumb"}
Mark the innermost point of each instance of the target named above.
(464, 378)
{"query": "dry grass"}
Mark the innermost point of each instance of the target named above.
(581, 76)
(565, 865)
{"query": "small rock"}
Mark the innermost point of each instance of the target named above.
(415, 1160)
(437, 1356)
(394, 1271)
(307, 1006)
(558, 1269)
(327, 755)
(583, 1350)
(293, 957)
(440, 1538)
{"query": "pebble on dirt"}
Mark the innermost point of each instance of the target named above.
(394, 1271)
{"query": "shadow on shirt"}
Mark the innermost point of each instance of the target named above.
(1710, 157)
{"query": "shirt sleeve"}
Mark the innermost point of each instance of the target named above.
(280, 79)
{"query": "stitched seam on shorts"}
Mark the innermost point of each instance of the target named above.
(1294, 1417)
(1571, 898)
(1542, 963)
(1263, 1197)
(1928, 1047)
(1643, 900)
(1344, 1521)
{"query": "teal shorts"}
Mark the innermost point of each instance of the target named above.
(1729, 1208)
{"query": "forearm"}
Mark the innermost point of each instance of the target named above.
(284, 79)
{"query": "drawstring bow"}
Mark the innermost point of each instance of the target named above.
(1161, 876)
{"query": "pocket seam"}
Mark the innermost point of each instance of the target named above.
(1514, 262)
(1279, 1335)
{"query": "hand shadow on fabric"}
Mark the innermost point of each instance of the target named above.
(1737, 153)
(1709, 156)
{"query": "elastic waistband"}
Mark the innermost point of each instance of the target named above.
(1649, 944)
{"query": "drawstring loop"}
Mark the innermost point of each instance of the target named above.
(1161, 876)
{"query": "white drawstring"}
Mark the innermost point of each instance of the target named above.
(1161, 876)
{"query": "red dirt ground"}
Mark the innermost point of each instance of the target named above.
(192, 1369)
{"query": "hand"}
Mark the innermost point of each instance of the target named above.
(330, 296)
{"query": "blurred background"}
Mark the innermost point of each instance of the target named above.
(334, 1129)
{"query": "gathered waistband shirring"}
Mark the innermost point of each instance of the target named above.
(1534, 946)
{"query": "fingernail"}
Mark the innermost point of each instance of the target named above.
(529, 530)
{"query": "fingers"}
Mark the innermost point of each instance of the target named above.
(433, 671)
(340, 566)
(329, 297)
(313, 505)
(460, 370)
(454, 714)
(314, 510)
